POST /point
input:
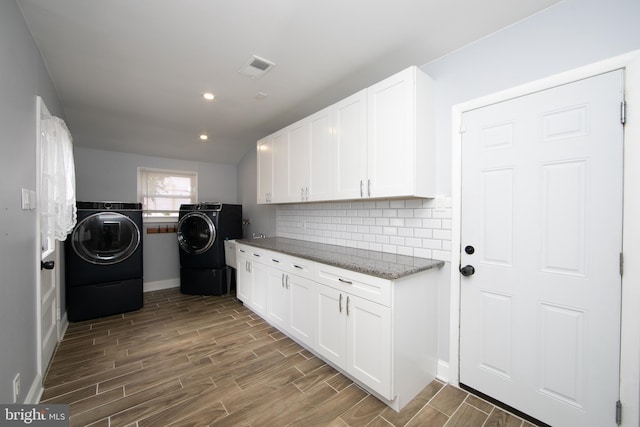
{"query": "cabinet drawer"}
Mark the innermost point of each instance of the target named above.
(368, 287)
(293, 265)
(252, 253)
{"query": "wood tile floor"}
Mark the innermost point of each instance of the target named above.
(197, 361)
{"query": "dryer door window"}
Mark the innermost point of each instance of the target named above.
(105, 238)
(196, 233)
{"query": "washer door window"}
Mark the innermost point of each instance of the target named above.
(105, 238)
(196, 233)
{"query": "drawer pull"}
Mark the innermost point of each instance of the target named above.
(297, 266)
(275, 260)
(255, 254)
(242, 250)
(348, 282)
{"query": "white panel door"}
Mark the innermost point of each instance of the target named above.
(48, 283)
(542, 227)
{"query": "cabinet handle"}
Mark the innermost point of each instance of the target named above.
(369, 188)
(340, 279)
(242, 250)
(287, 281)
(275, 260)
(301, 193)
(282, 280)
(340, 304)
(255, 254)
(306, 197)
(297, 266)
(361, 193)
(347, 305)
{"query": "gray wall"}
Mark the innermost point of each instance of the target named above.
(110, 175)
(22, 77)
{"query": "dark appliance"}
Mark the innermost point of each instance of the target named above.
(103, 259)
(202, 230)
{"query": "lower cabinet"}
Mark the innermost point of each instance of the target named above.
(355, 335)
(251, 280)
(380, 333)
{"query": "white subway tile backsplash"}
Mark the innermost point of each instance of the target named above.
(407, 227)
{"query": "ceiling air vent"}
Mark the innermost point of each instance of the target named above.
(256, 67)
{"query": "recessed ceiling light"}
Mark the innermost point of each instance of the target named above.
(208, 96)
(204, 137)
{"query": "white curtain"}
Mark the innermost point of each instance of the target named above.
(58, 186)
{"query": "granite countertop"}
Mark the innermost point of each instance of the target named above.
(378, 264)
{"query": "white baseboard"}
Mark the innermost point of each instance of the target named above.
(442, 371)
(35, 391)
(160, 285)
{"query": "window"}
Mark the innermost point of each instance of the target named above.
(161, 192)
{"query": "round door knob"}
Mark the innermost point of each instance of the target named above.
(467, 270)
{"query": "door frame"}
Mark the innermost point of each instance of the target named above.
(630, 309)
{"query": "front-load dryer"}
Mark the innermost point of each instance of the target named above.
(202, 230)
(103, 259)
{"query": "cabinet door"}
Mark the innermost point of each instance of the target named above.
(331, 333)
(280, 143)
(265, 170)
(320, 165)
(349, 121)
(369, 344)
(243, 279)
(299, 160)
(391, 135)
(258, 287)
(302, 317)
(277, 298)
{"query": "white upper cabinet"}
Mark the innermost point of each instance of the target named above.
(320, 167)
(265, 169)
(400, 132)
(281, 191)
(299, 160)
(350, 146)
(377, 143)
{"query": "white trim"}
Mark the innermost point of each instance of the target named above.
(630, 339)
(160, 285)
(35, 391)
(442, 371)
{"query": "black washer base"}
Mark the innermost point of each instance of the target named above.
(203, 281)
(103, 299)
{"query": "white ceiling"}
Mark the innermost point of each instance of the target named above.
(130, 73)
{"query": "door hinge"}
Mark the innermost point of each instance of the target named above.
(623, 112)
(618, 412)
(621, 263)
